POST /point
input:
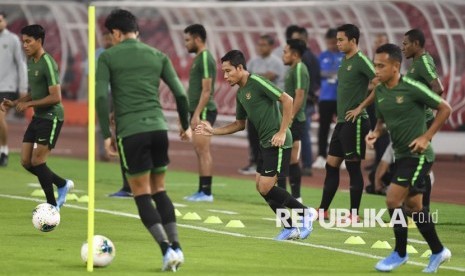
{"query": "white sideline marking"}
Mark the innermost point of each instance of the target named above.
(346, 230)
(223, 212)
(179, 204)
(332, 228)
(204, 229)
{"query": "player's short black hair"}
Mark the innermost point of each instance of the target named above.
(303, 32)
(122, 20)
(351, 31)
(268, 38)
(331, 33)
(196, 30)
(416, 35)
(36, 31)
(290, 30)
(236, 58)
(297, 45)
(2, 13)
(394, 51)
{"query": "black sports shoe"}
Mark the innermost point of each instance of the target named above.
(3, 160)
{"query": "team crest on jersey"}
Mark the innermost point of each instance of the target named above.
(5, 46)
(248, 95)
(349, 67)
(399, 99)
(36, 73)
(412, 71)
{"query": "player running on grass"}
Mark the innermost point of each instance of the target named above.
(134, 71)
(42, 132)
(400, 108)
(256, 100)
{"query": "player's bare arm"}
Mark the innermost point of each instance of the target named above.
(298, 101)
(437, 87)
(53, 98)
(420, 144)
(280, 137)
(205, 129)
(372, 136)
(204, 98)
(353, 114)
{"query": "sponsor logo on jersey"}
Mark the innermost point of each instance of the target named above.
(399, 99)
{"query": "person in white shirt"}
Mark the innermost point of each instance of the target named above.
(13, 78)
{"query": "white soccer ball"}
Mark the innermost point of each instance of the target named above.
(104, 251)
(45, 217)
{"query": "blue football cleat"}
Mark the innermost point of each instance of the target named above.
(435, 260)
(391, 262)
(200, 196)
(63, 191)
(288, 234)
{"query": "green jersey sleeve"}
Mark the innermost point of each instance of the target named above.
(377, 112)
(423, 94)
(241, 114)
(427, 69)
(270, 90)
(102, 81)
(303, 78)
(170, 77)
(208, 66)
(367, 67)
(51, 74)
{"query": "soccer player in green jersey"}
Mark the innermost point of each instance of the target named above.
(134, 71)
(257, 100)
(400, 109)
(423, 70)
(347, 143)
(296, 83)
(202, 107)
(45, 98)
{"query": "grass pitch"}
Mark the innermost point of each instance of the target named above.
(209, 249)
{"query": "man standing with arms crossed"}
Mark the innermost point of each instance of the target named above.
(202, 107)
(13, 79)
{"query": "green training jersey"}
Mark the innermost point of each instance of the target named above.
(402, 108)
(297, 77)
(423, 70)
(354, 75)
(203, 67)
(41, 75)
(257, 101)
(134, 71)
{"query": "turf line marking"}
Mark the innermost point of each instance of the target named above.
(223, 212)
(332, 228)
(204, 229)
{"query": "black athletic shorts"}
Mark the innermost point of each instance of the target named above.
(207, 115)
(348, 140)
(9, 95)
(144, 152)
(297, 130)
(273, 161)
(43, 131)
(411, 172)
